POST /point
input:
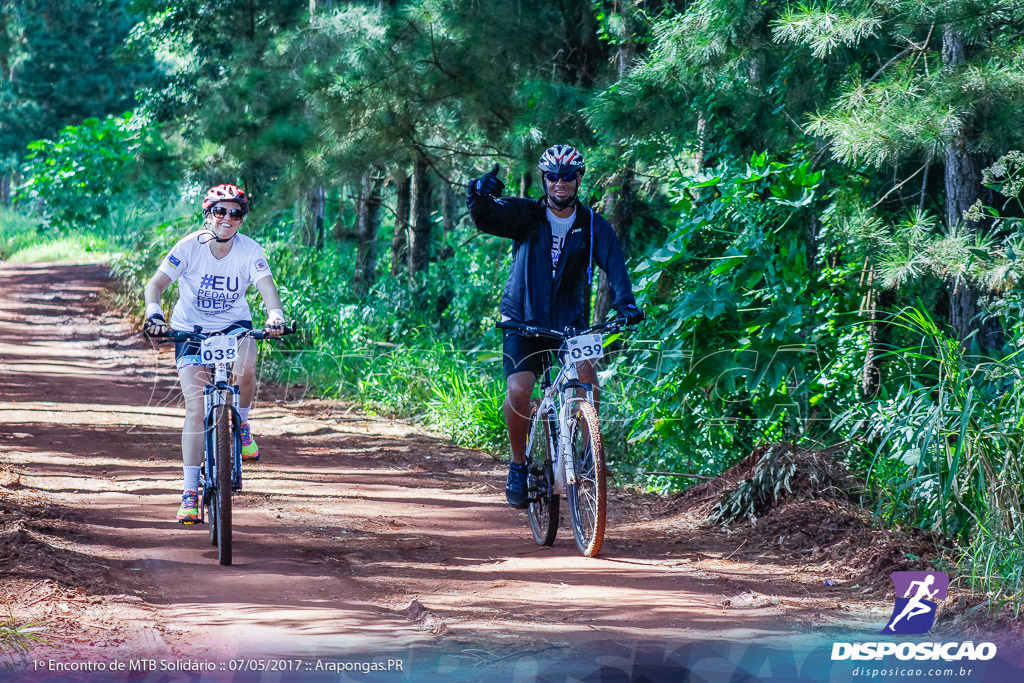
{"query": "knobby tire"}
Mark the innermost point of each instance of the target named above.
(222, 492)
(209, 479)
(588, 496)
(543, 508)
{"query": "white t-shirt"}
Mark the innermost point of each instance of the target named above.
(559, 229)
(211, 291)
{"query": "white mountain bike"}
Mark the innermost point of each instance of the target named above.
(564, 452)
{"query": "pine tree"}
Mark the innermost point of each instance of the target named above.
(943, 90)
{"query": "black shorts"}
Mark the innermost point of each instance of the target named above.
(187, 353)
(525, 354)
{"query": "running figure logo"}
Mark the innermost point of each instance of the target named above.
(917, 595)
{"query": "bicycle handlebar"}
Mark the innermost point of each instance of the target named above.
(616, 324)
(199, 335)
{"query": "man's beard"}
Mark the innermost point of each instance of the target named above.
(561, 206)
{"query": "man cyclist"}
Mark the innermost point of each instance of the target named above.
(556, 243)
(214, 267)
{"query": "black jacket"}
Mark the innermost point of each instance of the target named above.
(531, 295)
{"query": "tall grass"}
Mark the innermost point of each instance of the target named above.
(26, 238)
(943, 452)
(18, 232)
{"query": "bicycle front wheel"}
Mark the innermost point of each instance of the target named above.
(222, 442)
(209, 477)
(543, 508)
(588, 495)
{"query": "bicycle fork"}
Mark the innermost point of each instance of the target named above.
(564, 458)
(566, 419)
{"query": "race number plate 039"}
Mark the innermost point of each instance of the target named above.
(219, 349)
(585, 347)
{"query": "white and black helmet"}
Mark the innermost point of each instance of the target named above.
(562, 159)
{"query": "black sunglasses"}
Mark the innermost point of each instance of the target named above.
(220, 212)
(564, 177)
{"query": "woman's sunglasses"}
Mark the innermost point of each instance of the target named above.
(564, 177)
(220, 212)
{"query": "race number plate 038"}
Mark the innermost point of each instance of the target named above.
(219, 349)
(585, 347)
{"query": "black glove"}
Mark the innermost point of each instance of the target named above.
(488, 184)
(155, 324)
(633, 314)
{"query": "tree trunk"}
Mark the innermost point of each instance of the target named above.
(339, 231)
(400, 240)
(525, 183)
(618, 205)
(449, 218)
(367, 226)
(313, 225)
(811, 242)
(448, 209)
(422, 203)
(583, 50)
(963, 188)
(700, 159)
(876, 307)
(5, 190)
(618, 210)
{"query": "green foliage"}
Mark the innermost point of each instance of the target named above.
(993, 560)
(749, 322)
(17, 232)
(764, 280)
(24, 239)
(825, 28)
(946, 444)
(65, 61)
(912, 102)
(425, 350)
(71, 249)
(76, 177)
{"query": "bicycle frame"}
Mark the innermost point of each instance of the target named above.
(571, 458)
(561, 394)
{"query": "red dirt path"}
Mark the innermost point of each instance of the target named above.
(353, 535)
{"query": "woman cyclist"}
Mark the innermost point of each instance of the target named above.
(214, 267)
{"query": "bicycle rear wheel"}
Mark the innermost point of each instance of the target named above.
(543, 508)
(222, 442)
(588, 495)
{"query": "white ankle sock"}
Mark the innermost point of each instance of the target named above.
(191, 477)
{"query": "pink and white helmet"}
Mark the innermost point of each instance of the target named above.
(562, 159)
(225, 193)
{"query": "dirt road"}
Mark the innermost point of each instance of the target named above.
(356, 540)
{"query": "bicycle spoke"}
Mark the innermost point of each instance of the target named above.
(543, 508)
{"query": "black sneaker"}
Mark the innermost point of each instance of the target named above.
(515, 486)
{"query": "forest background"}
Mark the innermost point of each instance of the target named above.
(820, 203)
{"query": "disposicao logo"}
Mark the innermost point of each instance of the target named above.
(917, 596)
